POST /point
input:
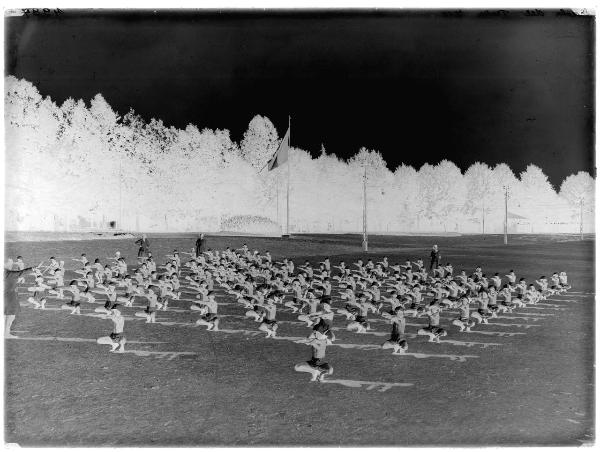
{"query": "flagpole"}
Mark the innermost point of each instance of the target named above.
(365, 239)
(287, 224)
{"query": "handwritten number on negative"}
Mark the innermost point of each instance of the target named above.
(44, 12)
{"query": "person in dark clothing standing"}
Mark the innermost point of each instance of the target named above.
(11, 302)
(435, 258)
(144, 246)
(200, 245)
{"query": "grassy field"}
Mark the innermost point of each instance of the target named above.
(526, 379)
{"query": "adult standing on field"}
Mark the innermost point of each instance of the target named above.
(200, 245)
(11, 301)
(435, 258)
(144, 246)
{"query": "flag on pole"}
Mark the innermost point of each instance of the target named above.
(281, 156)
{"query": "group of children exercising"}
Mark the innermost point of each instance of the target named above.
(261, 286)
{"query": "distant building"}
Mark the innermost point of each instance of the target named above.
(518, 224)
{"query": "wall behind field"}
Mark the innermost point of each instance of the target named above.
(81, 165)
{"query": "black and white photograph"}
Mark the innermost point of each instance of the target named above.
(303, 227)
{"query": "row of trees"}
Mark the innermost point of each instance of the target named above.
(78, 164)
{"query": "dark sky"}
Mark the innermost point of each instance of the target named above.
(418, 86)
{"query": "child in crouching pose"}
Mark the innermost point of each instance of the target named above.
(111, 299)
(464, 321)
(507, 302)
(397, 340)
(434, 331)
(483, 312)
(360, 323)
(318, 341)
(563, 281)
(116, 339)
(153, 305)
(57, 283)
(38, 300)
(312, 303)
(493, 301)
(324, 314)
(269, 324)
(74, 305)
(209, 313)
(532, 295)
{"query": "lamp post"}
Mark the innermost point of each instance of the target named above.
(505, 214)
(580, 218)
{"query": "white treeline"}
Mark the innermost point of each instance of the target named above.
(81, 165)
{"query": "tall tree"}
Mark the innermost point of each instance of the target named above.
(537, 193)
(407, 194)
(371, 163)
(479, 187)
(441, 193)
(579, 190)
(260, 142)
